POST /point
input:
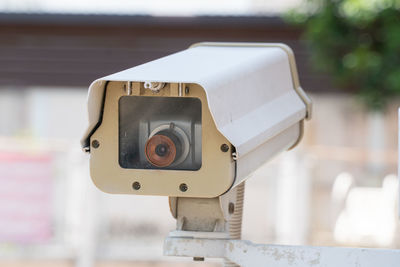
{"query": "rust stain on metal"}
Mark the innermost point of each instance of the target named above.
(290, 256)
(230, 247)
(317, 260)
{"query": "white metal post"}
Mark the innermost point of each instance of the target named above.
(247, 254)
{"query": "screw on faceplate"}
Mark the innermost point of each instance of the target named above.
(187, 90)
(95, 144)
(224, 148)
(136, 185)
(183, 187)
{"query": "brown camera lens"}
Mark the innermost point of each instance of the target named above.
(160, 150)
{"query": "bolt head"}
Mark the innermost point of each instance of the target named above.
(136, 185)
(95, 143)
(183, 187)
(224, 148)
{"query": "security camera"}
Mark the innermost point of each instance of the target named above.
(195, 123)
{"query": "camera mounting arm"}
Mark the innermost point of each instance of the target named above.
(217, 218)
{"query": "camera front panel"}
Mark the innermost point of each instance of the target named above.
(160, 133)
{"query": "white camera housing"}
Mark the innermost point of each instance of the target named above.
(251, 101)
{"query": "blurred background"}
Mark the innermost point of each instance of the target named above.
(339, 188)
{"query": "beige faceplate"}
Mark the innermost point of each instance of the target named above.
(215, 176)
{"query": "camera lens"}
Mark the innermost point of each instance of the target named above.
(160, 150)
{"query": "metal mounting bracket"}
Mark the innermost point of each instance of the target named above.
(247, 254)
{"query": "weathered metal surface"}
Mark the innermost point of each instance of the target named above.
(244, 253)
(195, 247)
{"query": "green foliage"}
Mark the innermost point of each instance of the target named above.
(357, 42)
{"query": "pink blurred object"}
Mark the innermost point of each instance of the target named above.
(25, 197)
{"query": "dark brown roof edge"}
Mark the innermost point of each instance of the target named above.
(34, 19)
